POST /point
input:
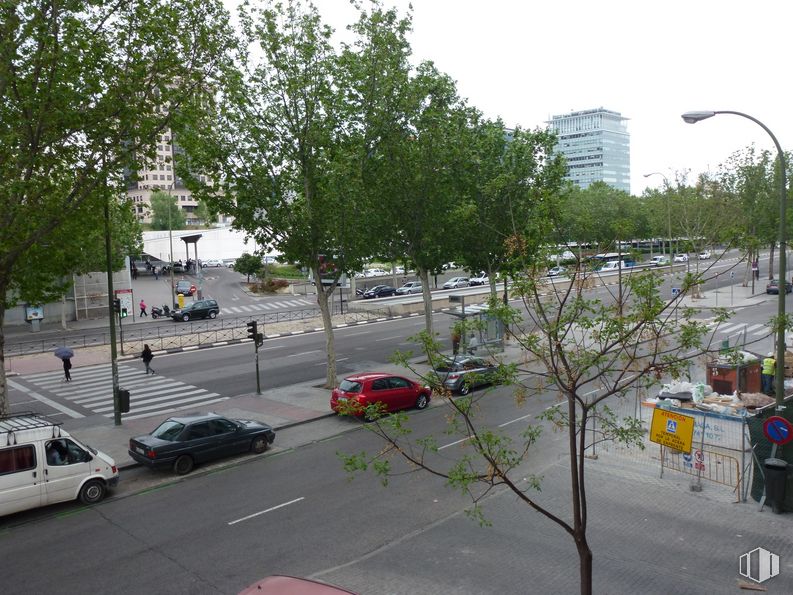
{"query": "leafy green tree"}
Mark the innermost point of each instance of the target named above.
(291, 138)
(248, 264)
(80, 88)
(165, 212)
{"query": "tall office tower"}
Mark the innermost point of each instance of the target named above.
(596, 144)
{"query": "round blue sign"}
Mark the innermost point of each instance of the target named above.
(778, 430)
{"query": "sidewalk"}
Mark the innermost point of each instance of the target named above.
(282, 407)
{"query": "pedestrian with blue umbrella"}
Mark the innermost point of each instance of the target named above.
(66, 355)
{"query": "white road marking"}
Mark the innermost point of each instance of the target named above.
(255, 514)
(45, 400)
(453, 443)
(389, 338)
(303, 353)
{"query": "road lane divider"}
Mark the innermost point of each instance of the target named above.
(261, 512)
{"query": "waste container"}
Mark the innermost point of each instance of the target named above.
(775, 480)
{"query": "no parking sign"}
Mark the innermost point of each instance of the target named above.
(778, 430)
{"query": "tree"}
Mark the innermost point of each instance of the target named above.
(576, 345)
(81, 87)
(292, 136)
(166, 213)
(248, 264)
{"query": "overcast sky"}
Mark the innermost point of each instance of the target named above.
(651, 61)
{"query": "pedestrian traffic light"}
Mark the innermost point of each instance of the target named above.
(117, 306)
(123, 313)
(252, 329)
(259, 339)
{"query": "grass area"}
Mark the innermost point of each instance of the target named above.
(284, 271)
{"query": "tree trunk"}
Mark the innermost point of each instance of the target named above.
(3, 384)
(584, 562)
(425, 293)
(771, 261)
(323, 301)
(63, 313)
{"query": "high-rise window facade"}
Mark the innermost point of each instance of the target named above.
(596, 144)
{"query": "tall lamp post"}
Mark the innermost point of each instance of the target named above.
(668, 209)
(693, 118)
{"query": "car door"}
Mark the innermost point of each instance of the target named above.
(199, 309)
(21, 485)
(63, 476)
(230, 440)
(200, 441)
(403, 393)
(381, 393)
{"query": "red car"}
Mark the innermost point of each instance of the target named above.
(395, 392)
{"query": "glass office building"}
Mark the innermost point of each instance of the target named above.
(596, 144)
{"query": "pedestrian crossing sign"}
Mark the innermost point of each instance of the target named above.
(672, 429)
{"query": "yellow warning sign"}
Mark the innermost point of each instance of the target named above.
(672, 429)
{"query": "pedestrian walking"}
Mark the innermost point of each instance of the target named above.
(67, 366)
(147, 356)
(756, 268)
(767, 374)
(143, 308)
(134, 273)
(156, 273)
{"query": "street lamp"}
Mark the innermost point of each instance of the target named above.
(668, 210)
(693, 118)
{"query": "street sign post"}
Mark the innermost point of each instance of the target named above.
(672, 429)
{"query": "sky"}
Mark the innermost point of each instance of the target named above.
(526, 60)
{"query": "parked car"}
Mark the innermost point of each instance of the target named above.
(379, 291)
(357, 392)
(659, 261)
(480, 279)
(185, 287)
(449, 266)
(462, 373)
(410, 287)
(374, 273)
(41, 463)
(681, 258)
(773, 287)
(197, 309)
(705, 255)
(181, 442)
(456, 282)
(212, 262)
(556, 271)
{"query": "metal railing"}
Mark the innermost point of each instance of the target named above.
(182, 334)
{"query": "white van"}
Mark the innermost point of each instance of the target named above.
(612, 265)
(41, 464)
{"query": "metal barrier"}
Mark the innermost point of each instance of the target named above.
(714, 466)
(173, 335)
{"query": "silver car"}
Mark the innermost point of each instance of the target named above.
(409, 287)
(456, 282)
(462, 373)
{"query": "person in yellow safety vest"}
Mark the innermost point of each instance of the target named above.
(767, 375)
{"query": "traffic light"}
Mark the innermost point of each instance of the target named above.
(252, 329)
(117, 306)
(259, 339)
(123, 313)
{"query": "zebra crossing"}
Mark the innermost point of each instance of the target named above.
(299, 303)
(92, 388)
(752, 330)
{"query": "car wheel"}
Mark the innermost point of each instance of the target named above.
(183, 465)
(186, 317)
(92, 492)
(465, 388)
(259, 444)
(212, 314)
(422, 401)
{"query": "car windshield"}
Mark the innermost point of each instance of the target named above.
(350, 386)
(168, 430)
